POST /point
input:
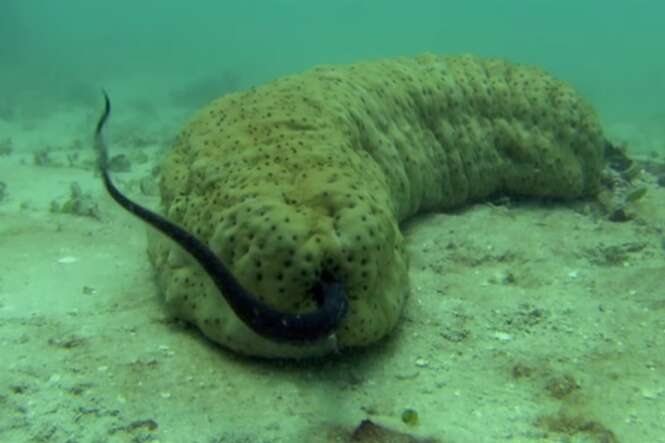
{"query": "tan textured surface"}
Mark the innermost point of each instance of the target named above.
(316, 171)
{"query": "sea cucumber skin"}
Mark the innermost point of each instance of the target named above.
(315, 172)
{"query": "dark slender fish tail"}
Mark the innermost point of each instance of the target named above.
(100, 145)
(329, 294)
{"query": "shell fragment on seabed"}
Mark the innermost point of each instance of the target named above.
(66, 260)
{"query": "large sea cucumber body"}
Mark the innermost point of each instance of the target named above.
(315, 172)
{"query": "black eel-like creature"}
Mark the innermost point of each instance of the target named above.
(329, 294)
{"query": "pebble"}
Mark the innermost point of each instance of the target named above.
(422, 363)
(502, 336)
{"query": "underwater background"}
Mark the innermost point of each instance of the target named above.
(65, 51)
(539, 324)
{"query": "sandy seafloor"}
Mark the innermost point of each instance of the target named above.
(526, 322)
